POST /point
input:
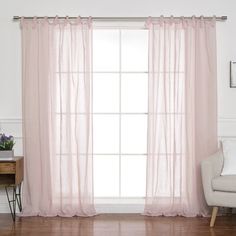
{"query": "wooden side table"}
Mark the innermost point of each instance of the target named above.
(11, 177)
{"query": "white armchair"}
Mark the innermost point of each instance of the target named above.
(220, 191)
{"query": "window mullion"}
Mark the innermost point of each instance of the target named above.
(120, 113)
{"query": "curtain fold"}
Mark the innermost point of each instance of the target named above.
(182, 114)
(57, 121)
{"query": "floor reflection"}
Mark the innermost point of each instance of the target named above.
(116, 225)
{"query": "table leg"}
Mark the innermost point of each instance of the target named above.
(12, 202)
(18, 197)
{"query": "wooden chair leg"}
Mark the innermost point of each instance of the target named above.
(213, 216)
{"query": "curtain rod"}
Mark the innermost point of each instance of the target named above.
(218, 18)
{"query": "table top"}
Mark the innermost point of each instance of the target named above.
(10, 159)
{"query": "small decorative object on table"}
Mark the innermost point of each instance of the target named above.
(6, 146)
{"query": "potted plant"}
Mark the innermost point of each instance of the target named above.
(6, 146)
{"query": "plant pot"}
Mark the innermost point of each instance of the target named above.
(9, 154)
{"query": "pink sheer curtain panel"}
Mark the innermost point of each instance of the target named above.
(57, 121)
(182, 114)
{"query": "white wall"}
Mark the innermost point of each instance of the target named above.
(10, 52)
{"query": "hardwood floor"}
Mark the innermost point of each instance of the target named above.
(116, 225)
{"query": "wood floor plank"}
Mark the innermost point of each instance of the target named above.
(116, 225)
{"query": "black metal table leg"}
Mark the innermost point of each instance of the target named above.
(12, 202)
(16, 199)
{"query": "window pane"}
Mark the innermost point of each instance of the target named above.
(106, 176)
(134, 92)
(106, 133)
(171, 133)
(134, 50)
(69, 57)
(70, 88)
(169, 52)
(133, 176)
(166, 178)
(106, 50)
(134, 134)
(170, 90)
(106, 92)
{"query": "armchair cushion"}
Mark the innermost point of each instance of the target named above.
(229, 150)
(225, 183)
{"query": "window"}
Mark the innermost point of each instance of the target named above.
(120, 100)
(120, 80)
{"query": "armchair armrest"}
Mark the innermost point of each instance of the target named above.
(211, 168)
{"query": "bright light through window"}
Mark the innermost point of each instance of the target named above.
(120, 65)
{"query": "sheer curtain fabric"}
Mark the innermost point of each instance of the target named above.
(182, 114)
(57, 121)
